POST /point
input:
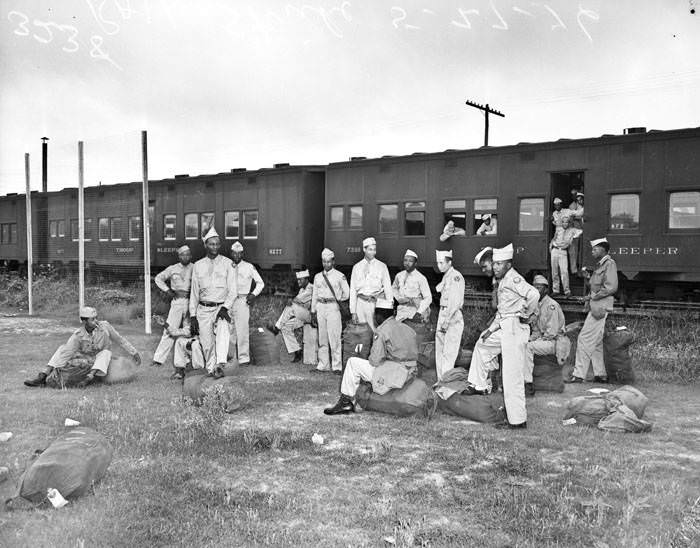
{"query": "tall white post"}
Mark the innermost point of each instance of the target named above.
(81, 228)
(30, 251)
(146, 236)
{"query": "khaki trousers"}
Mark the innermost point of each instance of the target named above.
(365, 312)
(356, 370)
(176, 314)
(183, 356)
(292, 317)
(448, 345)
(330, 332)
(62, 356)
(509, 341)
(213, 335)
(241, 319)
(538, 347)
(589, 348)
(560, 267)
(405, 312)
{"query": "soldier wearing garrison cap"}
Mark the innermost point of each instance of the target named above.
(558, 212)
(599, 302)
(92, 344)
(295, 315)
(369, 281)
(211, 298)
(250, 285)
(330, 289)
(543, 338)
(411, 290)
(450, 323)
(175, 281)
(488, 226)
(507, 335)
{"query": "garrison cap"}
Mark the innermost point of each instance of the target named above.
(485, 216)
(237, 247)
(182, 249)
(327, 254)
(598, 241)
(557, 200)
(540, 280)
(211, 233)
(302, 274)
(88, 312)
(443, 254)
(368, 241)
(410, 253)
(478, 256)
(504, 253)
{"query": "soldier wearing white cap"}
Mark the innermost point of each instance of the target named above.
(543, 338)
(564, 235)
(603, 285)
(246, 274)
(485, 261)
(188, 350)
(179, 278)
(91, 344)
(450, 323)
(411, 290)
(329, 289)
(576, 209)
(507, 335)
(369, 281)
(558, 212)
(393, 355)
(295, 315)
(488, 226)
(211, 297)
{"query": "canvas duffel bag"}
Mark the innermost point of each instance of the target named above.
(546, 374)
(617, 357)
(489, 408)
(415, 398)
(227, 390)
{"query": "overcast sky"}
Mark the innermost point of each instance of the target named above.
(225, 84)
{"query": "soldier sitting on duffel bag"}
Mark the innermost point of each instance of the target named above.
(392, 361)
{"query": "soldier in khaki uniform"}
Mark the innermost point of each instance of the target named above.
(507, 335)
(179, 276)
(394, 347)
(485, 261)
(543, 339)
(450, 324)
(187, 350)
(91, 343)
(211, 297)
(369, 280)
(411, 291)
(295, 315)
(600, 300)
(246, 274)
(330, 286)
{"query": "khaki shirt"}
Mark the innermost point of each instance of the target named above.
(550, 320)
(179, 276)
(369, 278)
(604, 279)
(246, 274)
(451, 290)
(394, 341)
(558, 215)
(212, 281)
(516, 297)
(305, 296)
(322, 291)
(563, 237)
(89, 344)
(413, 286)
(576, 210)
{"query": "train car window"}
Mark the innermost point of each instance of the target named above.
(88, 229)
(115, 229)
(335, 217)
(206, 221)
(414, 218)
(74, 232)
(250, 225)
(232, 224)
(191, 226)
(13, 233)
(684, 210)
(355, 216)
(5, 233)
(61, 228)
(485, 222)
(456, 213)
(388, 219)
(53, 229)
(624, 212)
(135, 228)
(103, 229)
(151, 218)
(9, 233)
(169, 227)
(531, 215)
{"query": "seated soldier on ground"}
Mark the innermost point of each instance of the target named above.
(543, 337)
(91, 343)
(394, 346)
(188, 350)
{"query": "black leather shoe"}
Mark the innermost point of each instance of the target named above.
(316, 370)
(218, 372)
(471, 391)
(337, 372)
(273, 329)
(39, 380)
(343, 407)
(572, 380)
(297, 356)
(603, 380)
(509, 426)
(529, 390)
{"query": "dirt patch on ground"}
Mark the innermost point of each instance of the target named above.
(26, 325)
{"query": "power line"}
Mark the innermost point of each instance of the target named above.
(487, 110)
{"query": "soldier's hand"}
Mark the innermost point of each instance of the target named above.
(354, 318)
(426, 316)
(249, 298)
(171, 294)
(223, 314)
(485, 334)
(137, 358)
(314, 320)
(194, 327)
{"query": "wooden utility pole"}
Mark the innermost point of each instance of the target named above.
(30, 250)
(487, 110)
(81, 227)
(146, 235)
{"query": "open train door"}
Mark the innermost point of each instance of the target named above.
(565, 185)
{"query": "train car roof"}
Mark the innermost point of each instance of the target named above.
(606, 139)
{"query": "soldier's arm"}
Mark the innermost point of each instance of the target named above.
(378, 353)
(386, 280)
(314, 297)
(194, 293)
(259, 284)
(344, 288)
(115, 336)
(353, 290)
(427, 296)
(609, 283)
(162, 278)
(231, 287)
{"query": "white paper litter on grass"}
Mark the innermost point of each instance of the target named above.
(5, 436)
(56, 499)
(71, 422)
(598, 391)
(317, 439)
(567, 422)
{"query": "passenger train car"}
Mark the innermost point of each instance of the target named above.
(642, 191)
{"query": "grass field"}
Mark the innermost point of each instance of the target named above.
(191, 477)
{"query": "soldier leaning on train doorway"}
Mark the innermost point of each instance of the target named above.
(369, 280)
